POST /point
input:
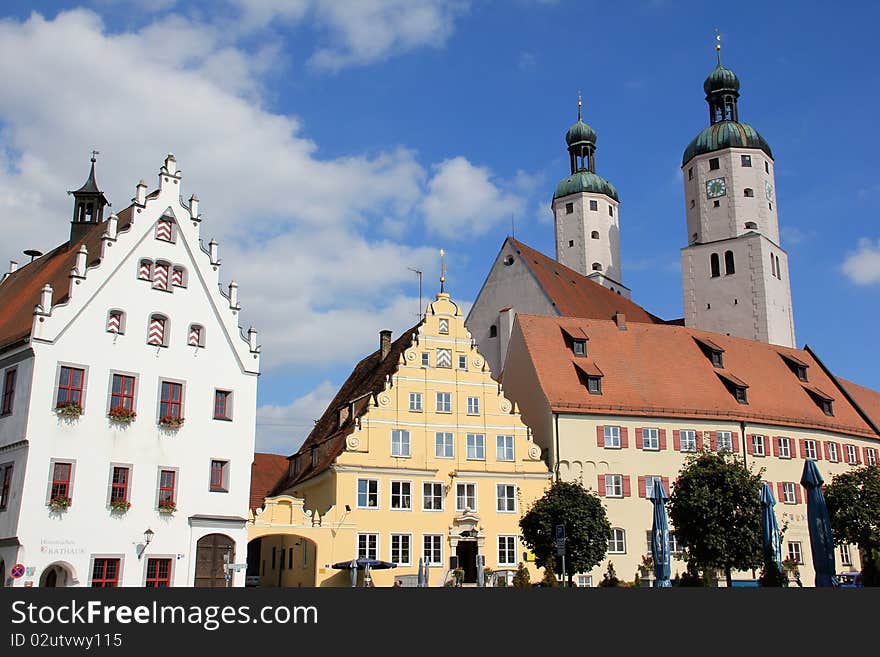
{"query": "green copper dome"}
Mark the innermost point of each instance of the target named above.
(580, 132)
(725, 134)
(721, 79)
(584, 181)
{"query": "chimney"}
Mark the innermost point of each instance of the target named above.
(13, 266)
(620, 320)
(384, 344)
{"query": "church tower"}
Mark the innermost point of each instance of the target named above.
(735, 273)
(585, 209)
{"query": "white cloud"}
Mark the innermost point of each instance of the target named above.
(863, 266)
(463, 201)
(282, 429)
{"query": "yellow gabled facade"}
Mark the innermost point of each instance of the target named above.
(438, 465)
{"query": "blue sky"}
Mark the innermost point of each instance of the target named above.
(336, 144)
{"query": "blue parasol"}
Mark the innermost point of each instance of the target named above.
(660, 537)
(770, 528)
(819, 523)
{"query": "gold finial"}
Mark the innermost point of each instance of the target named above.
(442, 270)
(718, 45)
(580, 104)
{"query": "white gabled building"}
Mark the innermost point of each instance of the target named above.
(128, 316)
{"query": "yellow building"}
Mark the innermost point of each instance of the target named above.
(419, 455)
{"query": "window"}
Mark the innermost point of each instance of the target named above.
(674, 546)
(415, 401)
(845, 557)
(729, 267)
(432, 549)
(368, 493)
(160, 275)
(612, 437)
(594, 235)
(870, 456)
(105, 573)
(400, 443)
(465, 497)
(570, 243)
(569, 208)
(794, 552)
(714, 164)
(758, 445)
(597, 266)
(158, 574)
(613, 485)
(473, 405)
(784, 447)
(691, 173)
(504, 448)
(610, 210)
(401, 549)
(740, 394)
(617, 541)
(368, 546)
(165, 229)
(506, 498)
(116, 322)
(5, 484)
(826, 406)
(493, 331)
(122, 393)
(693, 205)
(432, 496)
(810, 449)
(167, 487)
(507, 550)
(145, 270)
(725, 441)
(443, 326)
(8, 391)
(716, 204)
(462, 362)
(70, 386)
(401, 495)
(219, 476)
(851, 456)
(222, 405)
(156, 331)
(714, 265)
(119, 477)
(751, 225)
(196, 335)
(594, 385)
(171, 401)
(767, 167)
(650, 480)
(444, 358)
(579, 347)
(444, 445)
(748, 192)
(788, 493)
(178, 276)
(61, 476)
(444, 402)
(650, 438)
(833, 455)
(584, 581)
(425, 359)
(746, 160)
(594, 205)
(476, 446)
(688, 440)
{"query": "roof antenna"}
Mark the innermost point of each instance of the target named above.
(33, 253)
(442, 271)
(413, 269)
(718, 45)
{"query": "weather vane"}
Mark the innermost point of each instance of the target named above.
(94, 153)
(580, 104)
(718, 45)
(442, 270)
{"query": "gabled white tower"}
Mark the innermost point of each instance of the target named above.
(585, 208)
(735, 273)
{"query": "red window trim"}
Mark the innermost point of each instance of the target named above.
(8, 390)
(116, 486)
(167, 493)
(118, 399)
(218, 471)
(168, 406)
(157, 580)
(105, 581)
(55, 492)
(5, 485)
(69, 387)
(221, 404)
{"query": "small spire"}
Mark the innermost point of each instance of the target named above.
(580, 105)
(718, 45)
(442, 271)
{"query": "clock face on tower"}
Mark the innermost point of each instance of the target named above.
(769, 189)
(715, 188)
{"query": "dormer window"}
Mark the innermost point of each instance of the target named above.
(712, 351)
(576, 340)
(736, 387)
(739, 393)
(590, 376)
(594, 385)
(579, 347)
(822, 400)
(797, 366)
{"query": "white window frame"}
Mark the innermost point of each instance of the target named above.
(507, 545)
(615, 539)
(650, 438)
(614, 484)
(784, 447)
(758, 441)
(368, 549)
(789, 496)
(367, 493)
(833, 453)
(426, 359)
(504, 448)
(473, 405)
(796, 552)
(432, 545)
(403, 494)
(399, 538)
(434, 495)
(462, 362)
(649, 482)
(871, 456)
(459, 497)
(612, 437)
(845, 555)
(724, 440)
(415, 402)
(401, 443)
(584, 581)
(851, 455)
(811, 449)
(444, 444)
(476, 446)
(444, 402)
(687, 440)
(505, 495)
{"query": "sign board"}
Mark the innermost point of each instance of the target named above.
(560, 532)
(17, 571)
(560, 546)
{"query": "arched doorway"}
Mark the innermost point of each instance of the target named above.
(212, 553)
(56, 575)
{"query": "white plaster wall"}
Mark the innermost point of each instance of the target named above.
(577, 227)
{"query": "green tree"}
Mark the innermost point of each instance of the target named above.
(521, 578)
(853, 500)
(715, 508)
(586, 527)
(610, 577)
(549, 579)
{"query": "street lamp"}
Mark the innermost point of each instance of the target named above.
(148, 537)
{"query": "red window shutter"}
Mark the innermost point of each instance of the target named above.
(818, 449)
(713, 441)
(797, 494)
(825, 447)
(775, 440)
(699, 441)
(676, 440)
(627, 490)
(601, 486)
(749, 444)
(160, 276)
(866, 450)
(780, 490)
(600, 436)
(665, 481)
(858, 456)
(642, 490)
(624, 437)
(803, 448)
(638, 438)
(662, 433)
(734, 441)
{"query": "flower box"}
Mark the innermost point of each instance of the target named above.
(60, 503)
(167, 506)
(69, 409)
(170, 422)
(120, 506)
(122, 415)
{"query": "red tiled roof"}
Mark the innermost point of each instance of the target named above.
(660, 371)
(20, 292)
(867, 399)
(329, 434)
(576, 295)
(266, 471)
